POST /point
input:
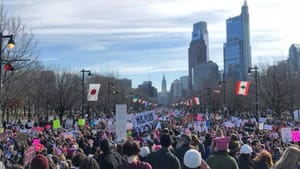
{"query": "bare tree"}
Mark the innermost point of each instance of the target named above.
(66, 93)
(15, 83)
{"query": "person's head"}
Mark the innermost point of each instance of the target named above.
(234, 146)
(89, 163)
(264, 157)
(105, 146)
(144, 152)
(192, 159)
(219, 133)
(131, 148)
(39, 162)
(165, 140)
(234, 137)
(221, 143)
(77, 159)
(185, 139)
(276, 143)
(256, 146)
(246, 149)
(289, 159)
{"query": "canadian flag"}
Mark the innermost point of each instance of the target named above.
(93, 92)
(242, 88)
(196, 100)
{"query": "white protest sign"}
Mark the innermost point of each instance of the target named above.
(121, 121)
(286, 135)
(261, 126)
(262, 119)
(268, 127)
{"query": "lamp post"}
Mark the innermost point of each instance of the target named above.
(222, 82)
(82, 96)
(255, 68)
(10, 45)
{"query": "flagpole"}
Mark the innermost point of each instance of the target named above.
(82, 92)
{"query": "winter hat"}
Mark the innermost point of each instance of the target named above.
(144, 151)
(39, 162)
(192, 159)
(155, 148)
(246, 149)
(221, 143)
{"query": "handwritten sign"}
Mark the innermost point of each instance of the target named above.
(286, 135)
(29, 154)
(199, 117)
(260, 126)
(81, 122)
(249, 127)
(268, 127)
(121, 121)
(56, 124)
(296, 136)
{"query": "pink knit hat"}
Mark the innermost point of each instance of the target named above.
(221, 143)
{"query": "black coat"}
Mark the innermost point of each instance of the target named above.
(164, 159)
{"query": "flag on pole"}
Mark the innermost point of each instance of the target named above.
(242, 88)
(93, 92)
(196, 100)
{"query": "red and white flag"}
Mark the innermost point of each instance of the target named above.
(93, 92)
(242, 88)
(196, 100)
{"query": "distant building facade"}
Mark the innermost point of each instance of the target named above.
(123, 83)
(294, 58)
(198, 50)
(237, 49)
(147, 89)
(176, 90)
(207, 76)
(184, 80)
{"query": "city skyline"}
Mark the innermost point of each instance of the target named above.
(143, 40)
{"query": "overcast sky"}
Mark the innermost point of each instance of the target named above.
(142, 39)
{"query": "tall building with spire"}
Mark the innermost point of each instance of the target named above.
(164, 85)
(198, 50)
(237, 49)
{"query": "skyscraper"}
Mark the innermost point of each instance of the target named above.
(294, 58)
(237, 49)
(164, 85)
(198, 50)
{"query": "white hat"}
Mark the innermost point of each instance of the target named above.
(246, 149)
(192, 159)
(145, 151)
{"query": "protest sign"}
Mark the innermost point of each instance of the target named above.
(249, 127)
(286, 135)
(296, 136)
(143, 121)
(121, 121)
(29, 154)
(69, 123)
(199, 117)
(261, 126)
(56, 124)
(81, 122)
(268, 127)
(262, 119)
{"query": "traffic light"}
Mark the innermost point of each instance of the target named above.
(8, 67)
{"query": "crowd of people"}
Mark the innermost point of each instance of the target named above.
(175, 146)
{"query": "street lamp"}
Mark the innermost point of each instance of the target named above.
(11, 44)
(255, 68)
(222, 83)
(82, 96)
